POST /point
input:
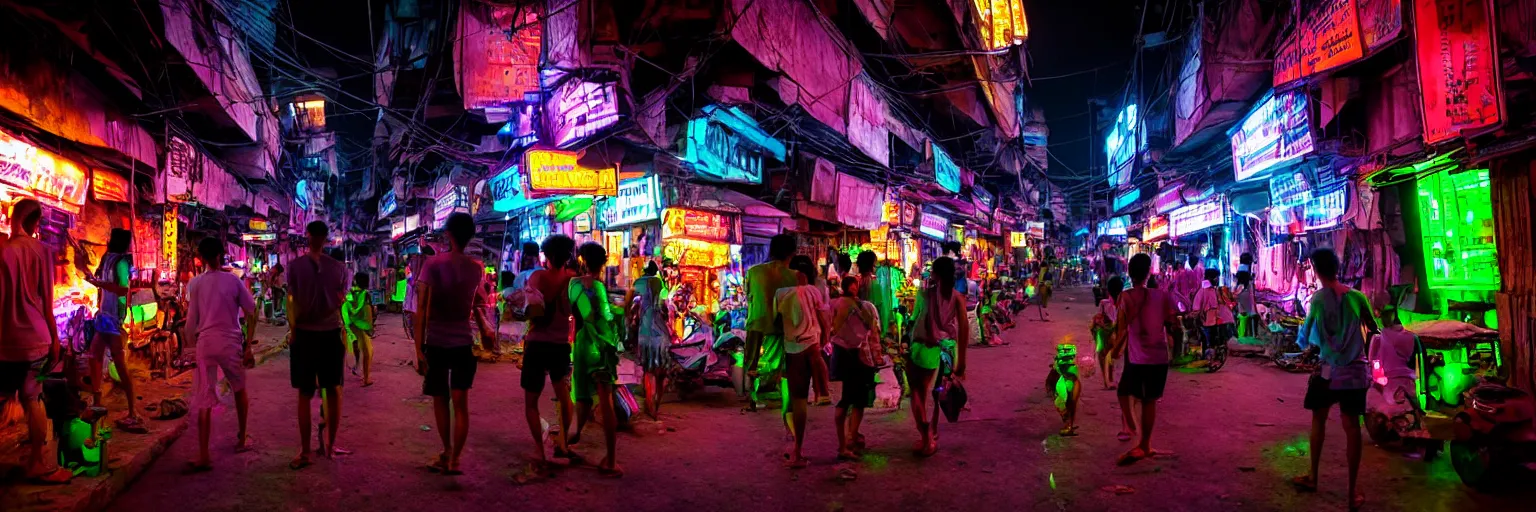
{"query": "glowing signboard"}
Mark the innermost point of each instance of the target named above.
(1127, 199)
(388, 204)
(1456, 214)
(639, 200)
(301, 194)
(258, 237)
(725, 144)
(933, 225)
(1458, 67)
(1276, 132)
(1016, 239)
(258, 224)
(1157, 229)
(535, 228)
(1328, 38)
(168, 239)
(696, 253)
(1116, 226)
(577, 110)
(182, 169)
(1125, 139)
(56, 181)
(412, 223)
(1035, 229)
(108, 186)
(1001, 23)
(1196, 217)
(455, 199)
(498, 53)
(506, 190)
(1325, 210)
(944, 169)
(397, 229)
(557, 173)
(1289, 190)
(696, 224)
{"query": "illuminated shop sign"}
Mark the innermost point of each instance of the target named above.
(933, 225)
(168, 240)
(1276, 132)
(1035, 229)
(1117, 226)
(1289, 190)
(258, 237)
(455, 199)
(1001, 23)
(535, 228)
(1456, 214)
(909, 214)
(696, 253)
(697, 224)
(301, 194)
(1169, 199)
(557, 173)
(1016, 239)
(638, 200)
(1325, 210)
(412, 223)
(506, 190)
(498, 53)
(944, 169)
(397, 229)
(181, 170)
(1196, 217)
(1458, 67)
(1329, 37)
(258, 224)
(1124, 140)
(577, 110)
(387, 204)
(55, 180)
(1157, 229)
(725, 144)
(1127, 199)
(108, 186)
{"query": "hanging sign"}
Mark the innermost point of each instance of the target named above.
(696, 224)
(56, 181)
(983, 198)
(944, 169)
(497, 55)
(577, 110)
(301, 194)
(1035, 229)
(553, 172)
(1127, 199)
(257, 224)
(1157, 229)
(168, 241)
(182, 169)
(108, 186)
(1195, 217)
(1016, 239)
(1001, 23)
(696, 253)
(1116, 226)
(933, 225)
(453, 200)
(1458, 67)
(506, 190)
(258, 237)
(397, 229)
(725, 144)
(388, 204)
(1169, 198)
(638, 200)
(535, 228)
(1289, 190)
(1276, 132)
(1328, 38)
(909, 214)
(1326, 210)
(1125, 139)
(583, 222)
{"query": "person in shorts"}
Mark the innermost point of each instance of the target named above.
(547, 351)
(802, 309)
(29, 338)
(449, 297)
(1336, 327)
(595, 351)
(111, 280)
(216, 301)
(855, 335)
(938, 325)
(765, 336)
(1141, 319)
(317, 287)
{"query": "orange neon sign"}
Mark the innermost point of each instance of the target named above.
(56, 180)
(1001, 23)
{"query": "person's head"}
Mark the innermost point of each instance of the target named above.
(866, 262)
(318, 234)
(211, 251)
(951, 248)
(1141, 267)
(593, 258)
(1212, 275)
(844, 263)
(807, 269)
(557, 251)
(26, 214)
(460, 228)
(781, 247)
(943, 271)
(850, 286)
(1115, 286)
(427, 250)
(360, 280)
(651, 269)
(507, 278)
(1326, 265)
(120, 242)
(530, 256)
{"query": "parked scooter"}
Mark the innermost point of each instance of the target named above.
(1495, 439)
(704, 357)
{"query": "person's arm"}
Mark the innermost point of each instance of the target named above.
(1122, 325)
(1367, 313)
(194, 316)
(487, 334)
(423, 307)
(965, 339)
(118, 286)
(248, 306)
(53, 328)
(1304, 335)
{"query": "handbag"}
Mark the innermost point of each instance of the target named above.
(951, 396)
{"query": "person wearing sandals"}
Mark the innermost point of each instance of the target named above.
(1104, 328)
(801, 310)
(215, 302)
(648, 313)
(765, 335)
(856, 354)
(449, 298)
(111, 280)
(317, 350)
(940, 321)
(1336, 327)
(360, 315)
(29, 338)
(547, 351)
(595, 352)
(1141, 321)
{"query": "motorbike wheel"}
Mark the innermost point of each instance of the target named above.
(1477, 463)
(1379, 426)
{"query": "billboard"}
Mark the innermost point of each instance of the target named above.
(1458, 67)
(1125, 139)
(725, 144)
(1277, 131)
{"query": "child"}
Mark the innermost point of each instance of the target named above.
(1063, 385)
(359, 313)
(1104, 327)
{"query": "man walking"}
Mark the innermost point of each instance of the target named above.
(450, 297)
(215, 302)
(317, 287)
(29, 339)
(764, 335)
(1140, 329)
(803, 309)
(1336, 327)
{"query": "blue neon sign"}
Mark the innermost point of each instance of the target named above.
(387, 204)
(944, 169)
(506, 190)
(725, 144)
(301, 194)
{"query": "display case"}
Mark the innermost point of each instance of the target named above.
(1456, 219)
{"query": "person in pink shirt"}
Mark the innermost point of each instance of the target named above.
(29, 339)
(1141, 332)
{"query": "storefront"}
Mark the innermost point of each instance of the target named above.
(701, 251)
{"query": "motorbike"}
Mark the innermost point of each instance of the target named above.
(704, 357)
(1495, 438)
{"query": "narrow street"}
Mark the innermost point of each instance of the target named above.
(1236, 436)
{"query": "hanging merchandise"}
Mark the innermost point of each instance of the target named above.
(725, 144)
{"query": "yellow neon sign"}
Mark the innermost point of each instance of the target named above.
(556, 172)
(1001, 23)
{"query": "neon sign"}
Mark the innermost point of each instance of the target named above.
(638, 200)
(55, 180)
(1001, 23)
(258, 224)
(455, 199)
(577, 110)
(535, 228)
(695, 253)
(725, 144)
(557, 173)
(1035, 229)
(1325, 210)
(1127, 199)
(944, 169)
(1456, 213)
(1195, 217)
(387, 204)
(1329, 37)
(1117, 226)
(933, 225)
(1277, 131)
(168, 240)
(108, 186)
(1157, 229)
(1016, 239)
(696, 224)
(506, 190)
(1289, 190)
(259, 237)
(1124, 140)
(301, 194)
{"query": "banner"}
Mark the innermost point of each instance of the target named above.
(725, 144)
(945, 171)
(553, 172)
(697, 224)
(387, 204)
(1277, 131)
(1458, 67)
(507, 191)
(1381, 22)
(1035, 229)
(1289, 190)
(1328, 38)
(454, 200)
(168, 241)
(182, 169)
(1326, 210)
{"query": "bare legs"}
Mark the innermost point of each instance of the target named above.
(365, 354)
(1127, 418)
(922, 380)
(1351, 425)
(562, 409)
(797, 413)
(820, 376)
(305, 416)
(610, 423)
(655, 383)
(455, 404)
(37, 433)
(848, 420)
(114, 343)
(205, 428)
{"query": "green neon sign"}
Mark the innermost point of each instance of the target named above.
(1456, 217)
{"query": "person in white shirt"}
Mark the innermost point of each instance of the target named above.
(216, 301)
(1213, 304)
(802, 312)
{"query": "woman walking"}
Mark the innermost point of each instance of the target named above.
(856, 355)
(1104, 328)
(648, 313)
(940, 321)
(595, 352)
(359, 309)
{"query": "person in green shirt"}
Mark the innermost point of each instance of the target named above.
(358, 311)
(765, 337)
(595, 352)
